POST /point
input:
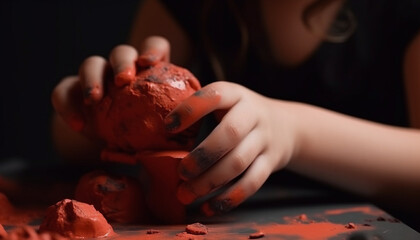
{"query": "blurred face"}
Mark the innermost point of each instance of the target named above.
(291, 39)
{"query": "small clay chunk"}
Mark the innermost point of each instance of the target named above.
(74, 219)
(118, 198)
(256, 235)
(196, 229)
(350, 226)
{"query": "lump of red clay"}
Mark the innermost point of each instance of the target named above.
(196, 229)
(130, 118)
(118, 198)
(256, 235)
(74, 219)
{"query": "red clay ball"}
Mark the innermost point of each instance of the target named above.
(131, 118)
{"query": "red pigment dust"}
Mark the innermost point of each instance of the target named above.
(313, 231)
(130, 118)
(363, 209)
(118, 198)
(9, 215)
(75, 219)
(196, 229)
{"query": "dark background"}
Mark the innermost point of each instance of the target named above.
(41, 42)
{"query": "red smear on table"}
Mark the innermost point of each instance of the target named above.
(363, 209)
(313, 231)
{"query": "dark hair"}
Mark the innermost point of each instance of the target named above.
(227, 54)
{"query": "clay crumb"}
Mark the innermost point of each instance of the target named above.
(302, 217)
(256, 235)
(152, 231)
(350, 226)
(196, 229)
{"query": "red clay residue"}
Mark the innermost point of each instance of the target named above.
(350, 225)
(74, 219)
(196, 229)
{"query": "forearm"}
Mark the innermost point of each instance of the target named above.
(361, 156)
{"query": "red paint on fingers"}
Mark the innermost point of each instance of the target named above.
(92, 94)
(224, 203)
(150, 58)
(192, 109)
(185, 195)
(125, 77)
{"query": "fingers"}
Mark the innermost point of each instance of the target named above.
(92, 74)
(202, 102)
(224, 171)
(248, 185)
(228, 134)
(67, 100)
(123, 62)
(154, 49)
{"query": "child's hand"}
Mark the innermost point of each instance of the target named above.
(256, 136)
(74, 93)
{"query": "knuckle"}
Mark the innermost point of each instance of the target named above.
(232, 131)
(239, 163)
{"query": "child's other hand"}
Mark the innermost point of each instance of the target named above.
(73, 93)
(256, 136)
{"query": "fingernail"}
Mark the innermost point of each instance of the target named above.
(219, 206)
(91, 94)
(149, 58)
(196, 162)
(125, 77)
(185, 195)
(172, 122)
